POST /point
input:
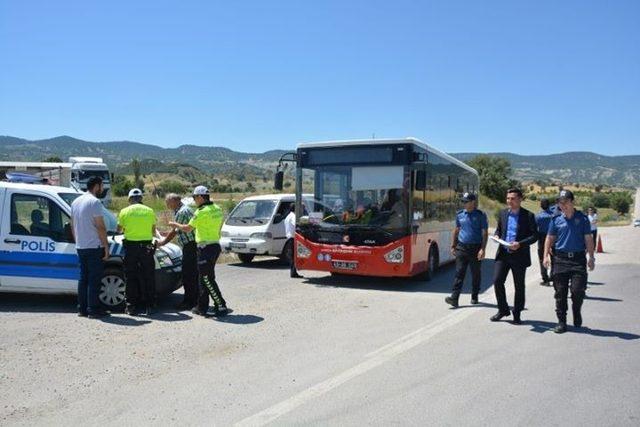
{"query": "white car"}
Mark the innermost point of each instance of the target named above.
(255, 227)
(636, 222)
(38, 254)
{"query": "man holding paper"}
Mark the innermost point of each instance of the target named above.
(515, 232)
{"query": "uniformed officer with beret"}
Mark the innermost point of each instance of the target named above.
(570, 236)
(468, 245)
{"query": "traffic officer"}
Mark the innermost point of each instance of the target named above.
(206, 221)
(183, 214)
(543, 218)
(139, 225)
(570, 236)
(468, 245)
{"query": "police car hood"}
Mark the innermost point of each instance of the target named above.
(116, 248)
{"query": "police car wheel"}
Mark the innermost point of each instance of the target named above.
(246, 258)
(112, 287)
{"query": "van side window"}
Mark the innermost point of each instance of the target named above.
(283, 211)
(33, 215)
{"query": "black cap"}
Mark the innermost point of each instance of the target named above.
(468, 197)
(565, 194)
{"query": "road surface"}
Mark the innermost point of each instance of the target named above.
(327, 351)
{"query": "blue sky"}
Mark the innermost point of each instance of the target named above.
(530, 77)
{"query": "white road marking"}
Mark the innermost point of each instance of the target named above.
(372, 360)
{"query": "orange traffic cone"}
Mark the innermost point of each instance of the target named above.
(599, 248)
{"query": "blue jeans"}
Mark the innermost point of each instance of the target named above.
(91, 269)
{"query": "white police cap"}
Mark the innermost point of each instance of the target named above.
(135, 192)
(200, 190)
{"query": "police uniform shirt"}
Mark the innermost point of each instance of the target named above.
(471, 225)
(207, 221)
(137, 220)
(570, 232)
(543, 218)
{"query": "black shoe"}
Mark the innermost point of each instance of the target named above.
(516, 318)
(577, 320)
(453, 302)
(98, 314)
(196, 310)
(82, 314)
(474, 299)
(296, 276)
(499, 315)
(561, 328)
(220, 311)
(130, 310)
(149, 311)
(545, 283)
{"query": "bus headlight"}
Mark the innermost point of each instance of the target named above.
(396, 256)
(224, 234)
(302, 251)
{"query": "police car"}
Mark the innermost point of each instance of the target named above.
(38, 255)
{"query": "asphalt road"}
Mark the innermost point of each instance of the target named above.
(327, 351)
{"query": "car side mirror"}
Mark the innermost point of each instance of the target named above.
(279, 180)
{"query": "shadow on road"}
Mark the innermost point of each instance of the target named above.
(37, 303)
(265, 264)
(595, 283)
(239, 319)
(124, 321)
(602, 299)
(541, 326)
(441, 283)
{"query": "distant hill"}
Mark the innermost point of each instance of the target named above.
(582, 167)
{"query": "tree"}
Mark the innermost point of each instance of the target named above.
(137, 174)
(171, 186)
(53, 159)
(621, 202)
(494, 175)
(121, 185)
(600, 200)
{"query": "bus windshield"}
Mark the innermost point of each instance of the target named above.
(356, 197)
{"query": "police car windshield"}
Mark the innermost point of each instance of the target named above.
(69, 197)
(252, 212)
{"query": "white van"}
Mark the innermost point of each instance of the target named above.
(38, 254)
(255, 227)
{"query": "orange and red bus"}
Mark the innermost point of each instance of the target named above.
(377, 207)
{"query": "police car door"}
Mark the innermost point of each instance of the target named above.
(36, 248)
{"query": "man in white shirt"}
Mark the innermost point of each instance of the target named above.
(593, 220)
(290, 232)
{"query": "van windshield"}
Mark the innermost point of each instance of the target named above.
(252, 212)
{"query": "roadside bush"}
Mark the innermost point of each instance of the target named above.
(228, 205)
(621, 202)
(171, 186)
(121, 186)
(600, 200)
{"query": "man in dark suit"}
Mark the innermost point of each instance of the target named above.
(517, 226)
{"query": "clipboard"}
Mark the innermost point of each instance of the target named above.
(500, 241)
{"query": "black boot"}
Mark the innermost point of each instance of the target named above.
(474, 299)
(560, 328)
(577, 318)
(452, 301)
(516, 318)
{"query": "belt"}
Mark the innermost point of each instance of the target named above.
(561, 254)
(137, 242)
(469, 245)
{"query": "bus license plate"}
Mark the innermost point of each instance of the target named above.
(345, 265)
(237, 245)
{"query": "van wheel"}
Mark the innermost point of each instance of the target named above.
(112, 289)
(246, 258)
(287, 253)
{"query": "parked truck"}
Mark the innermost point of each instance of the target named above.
(73, 174)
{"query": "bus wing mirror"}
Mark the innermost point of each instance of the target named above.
(279, 179)
(421, 180)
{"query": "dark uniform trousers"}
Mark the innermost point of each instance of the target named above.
(292, 265)
(190, 273)
(569, 272)
(501, 270)
(140, 272)
(467, 255)
(207, 257)
(543, 270)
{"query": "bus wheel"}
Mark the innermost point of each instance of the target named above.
(433, 262)
(245, 258)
